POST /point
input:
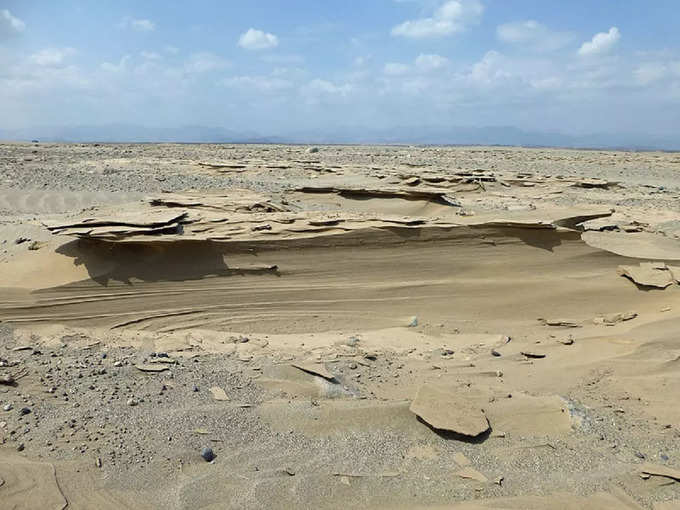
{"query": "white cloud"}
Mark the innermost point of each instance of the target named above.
(600, 43)
(654, 71)
(143, 25)
(451, 17)
(532, 34)
(140, 25)
(51, 56)
(283, 59)
(116, 68)
(431, 62)
(318, 86)
(395, 69)
(150, 55)
(489, 69)
(10, 25)
(257, 40)
(204, 62)
(259, 83)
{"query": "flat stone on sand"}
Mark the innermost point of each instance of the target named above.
(450, 411)
(218, 393)
(314, 369)
(151, 368)
(648, 274)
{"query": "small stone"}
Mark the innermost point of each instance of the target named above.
(194, 388)
(118, 364)
(20, 447)
(640, 455)
(207, 454)
(7, 407)
(494, 352)
(132, 402)
(6, 379)
(24, 410)
(98, 462)
(353, 341)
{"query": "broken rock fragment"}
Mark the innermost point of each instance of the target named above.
(648, 274)
(469, 473)
(449, 410)
(315, 369)
(615, 318)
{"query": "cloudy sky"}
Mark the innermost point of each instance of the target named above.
(275, 66)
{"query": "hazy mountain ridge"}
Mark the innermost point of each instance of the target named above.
(452, 135)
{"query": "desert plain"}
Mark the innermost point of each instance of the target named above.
(271, 326)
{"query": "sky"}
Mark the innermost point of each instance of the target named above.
(282, 66)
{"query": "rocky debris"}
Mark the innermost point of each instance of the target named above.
(649, 274)
(564, 323)
(449, 411)
(595, 183)
(615, 318)
(437, 195)
(240, 167)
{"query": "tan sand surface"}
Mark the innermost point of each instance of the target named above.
(361, 327)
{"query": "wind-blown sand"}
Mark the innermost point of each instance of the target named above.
(284, 308)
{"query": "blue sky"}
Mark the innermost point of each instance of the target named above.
(276, 67)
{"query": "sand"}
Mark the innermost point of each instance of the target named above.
(359, 327)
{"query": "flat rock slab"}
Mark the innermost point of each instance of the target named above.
(449, 410)
(469, 473)
(29, 485)
(314, 369)
(648, 274)
(218, 393)
(656, 470)
(151, 368)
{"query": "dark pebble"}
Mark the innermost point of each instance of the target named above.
(207, 454)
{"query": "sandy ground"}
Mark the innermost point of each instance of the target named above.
(344, 327)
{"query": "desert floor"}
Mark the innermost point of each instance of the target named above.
(343, 326)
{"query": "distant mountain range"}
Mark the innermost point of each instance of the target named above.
(451, 135)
